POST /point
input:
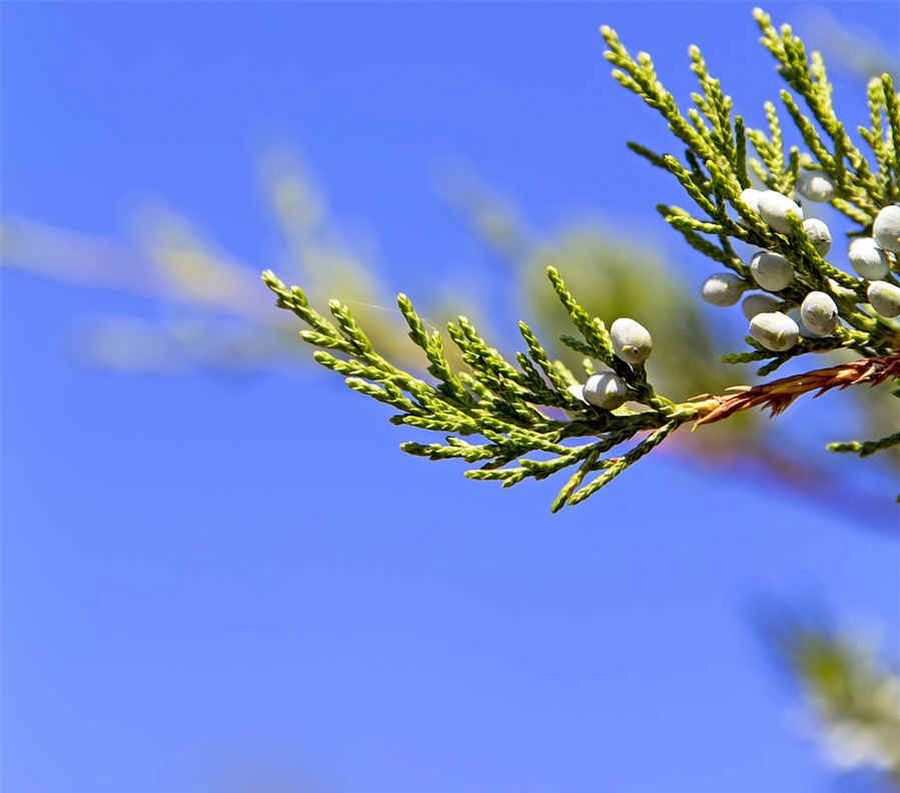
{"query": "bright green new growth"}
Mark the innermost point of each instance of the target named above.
(525, 412)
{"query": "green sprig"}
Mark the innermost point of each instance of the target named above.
(524, 416)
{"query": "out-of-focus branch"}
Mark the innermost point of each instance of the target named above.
(851, 693)
(216, 313)
(764, 463)
(858, 53)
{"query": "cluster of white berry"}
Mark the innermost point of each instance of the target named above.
(817, 315)
(632, 343)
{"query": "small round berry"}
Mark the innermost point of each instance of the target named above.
(750, 197)
(805, 332)
(775, 208)
(886, 229)
(605, 390)
(631, 341)
(884, 298)
(868, 259)
(771, 270)
(723, 289)
(758, 303)
(815, 186)
(818, 234)
(775, 331)
(577, 392)
(819, 313)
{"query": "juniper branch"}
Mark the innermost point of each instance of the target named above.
(529, 412)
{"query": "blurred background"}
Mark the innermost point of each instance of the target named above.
(220, 574)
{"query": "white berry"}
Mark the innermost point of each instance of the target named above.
(605, 390)
(819, 313)
(775, 331)
(750, 197)
(815, 186)
(868, 259)
(723, 289)
(771, 270)
(886, 229)
(631, 341)
(884, 298)
(805, 332)
(758, 303)
(775, 208)
(818, 234)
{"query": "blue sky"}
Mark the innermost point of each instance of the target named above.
(216, 583)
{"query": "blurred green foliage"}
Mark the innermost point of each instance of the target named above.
(851, 695)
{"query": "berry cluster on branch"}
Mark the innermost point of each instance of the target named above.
(528, 415)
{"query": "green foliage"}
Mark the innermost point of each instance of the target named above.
(715, 176)
(611, 281)
(865, 448)
(509, 405)
(529, 413)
